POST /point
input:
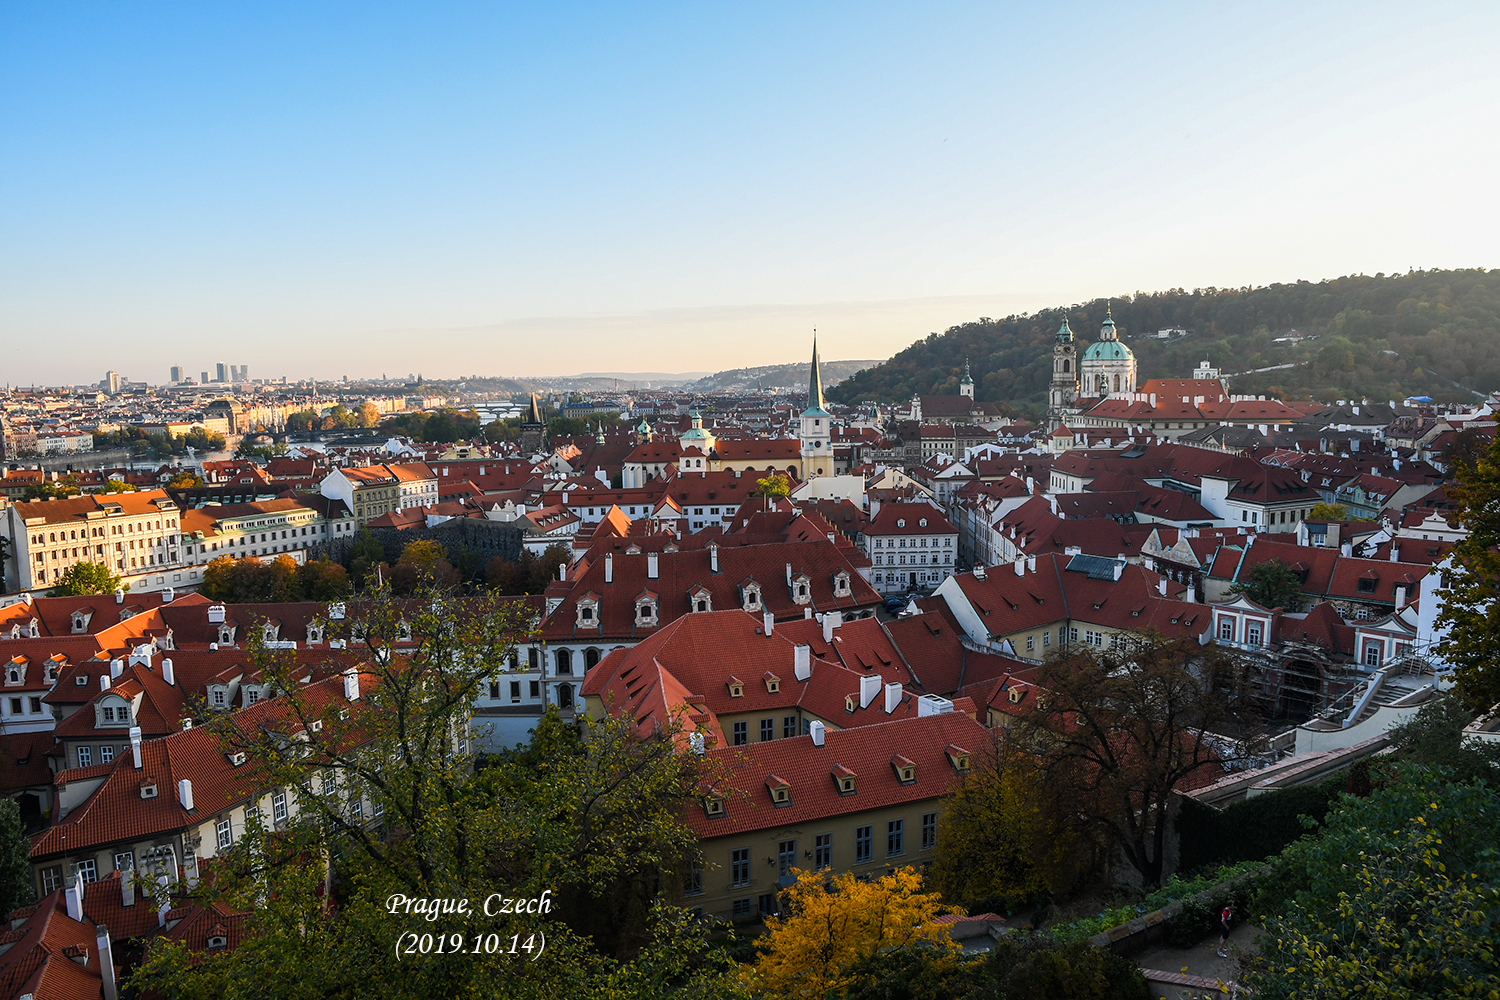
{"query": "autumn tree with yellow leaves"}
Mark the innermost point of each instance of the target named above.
(829, 926)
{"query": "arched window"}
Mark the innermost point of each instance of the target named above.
(590, 657)
(1117, 383)
(1067, 365)
(564, 662)
(565, 696)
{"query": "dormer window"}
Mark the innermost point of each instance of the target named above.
(269, 632)
(645, 610)
(780, 789)
(750, 595)
(314, 633)
(922, 523)
(849, 703)
(148, 790)
(12, 676)
(843, 779)
(80, 622)
(1016, 694)
(588, 611)
(713, 805)
(958, 757)
(219, 696)
(841, 584)
(801, 590)
(702, 600)
(773, 683)
(403, 631)
(900, 522)
(906, 769)
(226, 635)
(736, 687)
(217, 941)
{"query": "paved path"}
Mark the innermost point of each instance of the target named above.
(1201, 960)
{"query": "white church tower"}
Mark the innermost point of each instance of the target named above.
(815, 432)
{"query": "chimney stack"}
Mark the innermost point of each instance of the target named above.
(74, 897)
(788, 574)
(1020, 566)
(652, 569)
(168, 674)
(1395, 551)
(713, 557)
(562, 571)
(1161, 586)
(609, 567)
(166, 595)
(770, 620)
(815, 729)
(351, 684)
(1031, 564)
(127, 887)
(892, 697)
(1346, 549)
(831, 621)
(103, 683)
(807, 613)
(116, 667)
(119, 595)
(185, 793)
(135, 746)
(802, 662)
(1400, 597)
(106, 963)
(979, 571)
(869, 687)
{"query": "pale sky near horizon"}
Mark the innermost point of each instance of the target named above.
(341, 188)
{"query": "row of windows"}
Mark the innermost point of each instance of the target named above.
(916, 543)
(822, 853)
(916, 560)
(515, 690)
(32, 705)
(741, 730)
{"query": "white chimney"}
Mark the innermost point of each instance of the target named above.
(106, 963)
(166, 595)
(74, 897)
(609, 567)
(1020, 566)
(216, 614)
(119, 595)
(185, 793)
(979, 571)
(103, 683)
(651, 566)
(1346, 549)
(788, 574)
(770, 620)
(167, 673)
(802, 662)
(1400, 597)
(697, 743)
(1119, 568)
(892, 697)
(351, 684)
(562, 571)
(1161, 586)
(815, 729)
(831, 621)
(135, 746)
(1190, 595)
(869, 687)
(1031, 564)
(127, 887)
(1395, 552)
(116, 667)
(713, 557)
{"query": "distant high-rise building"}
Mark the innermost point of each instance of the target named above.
(112, 382)
(244, 373)
(204, 379)
(221, 372)
(176, 373)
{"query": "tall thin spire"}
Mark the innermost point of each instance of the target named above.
(815, 382)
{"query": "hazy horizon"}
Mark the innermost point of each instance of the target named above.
(350, 190)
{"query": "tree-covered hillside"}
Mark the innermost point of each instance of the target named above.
(1434, 333)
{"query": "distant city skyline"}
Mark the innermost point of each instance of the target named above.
(543, 191)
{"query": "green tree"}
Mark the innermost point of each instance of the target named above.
(1004, 834)
(1470, 609)
(118, 486)
(50, 491)
(1398, 897)
(1328, 512)
(1120, 729)
(777, 484)
(1021, 966)
(15, 859)
(323, 580)
(84, 578)
(1271, 584)
(1435, 737)
(184, 480)
(587, 817)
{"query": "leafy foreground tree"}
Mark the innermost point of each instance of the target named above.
(830, 926)
(1470, 608)
(1272, 584)
(1005, 833)
(15, 859)
(1021, 967)
(390, 808)
(81, 579)
(1435, 737)
(1399, 897)
(1121, 728)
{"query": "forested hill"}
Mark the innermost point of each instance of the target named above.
(1433, 333)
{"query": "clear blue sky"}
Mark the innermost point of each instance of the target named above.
(327, 189)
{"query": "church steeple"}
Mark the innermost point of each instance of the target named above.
(815, 382)
(966, 384)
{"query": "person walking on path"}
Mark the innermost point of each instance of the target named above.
(1224, 921)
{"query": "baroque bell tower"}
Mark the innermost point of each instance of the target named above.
(1063, 391)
